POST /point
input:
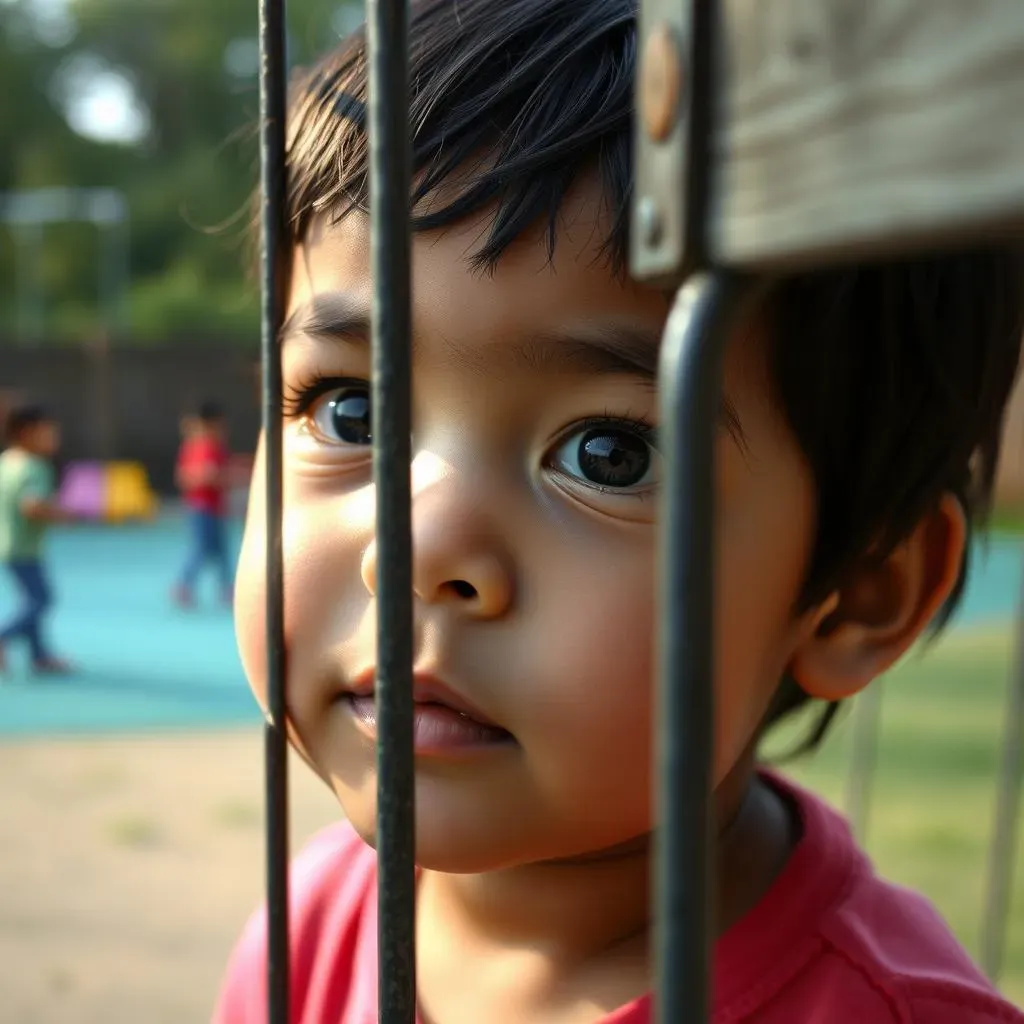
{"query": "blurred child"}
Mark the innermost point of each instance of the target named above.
(203, 478)
(27, 509)
(859, 426)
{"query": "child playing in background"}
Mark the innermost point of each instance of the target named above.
(202, 476)
(27, 508)
(860, 426)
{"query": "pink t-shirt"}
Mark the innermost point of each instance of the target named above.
(830, 943)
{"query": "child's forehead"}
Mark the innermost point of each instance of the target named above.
(529, 289)
(465, 314)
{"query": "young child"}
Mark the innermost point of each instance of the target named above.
(27, 508)
(202, 475)
(861, 420)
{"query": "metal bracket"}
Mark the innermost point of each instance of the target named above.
(672, 139)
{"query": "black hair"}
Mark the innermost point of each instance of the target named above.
(210, 412)
(894, 376)
(22, 418)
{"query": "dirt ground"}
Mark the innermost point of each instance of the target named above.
(128, 866)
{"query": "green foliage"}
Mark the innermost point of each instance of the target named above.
(182, 304)
(192, 68)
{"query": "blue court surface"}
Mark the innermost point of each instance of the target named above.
(143, 664)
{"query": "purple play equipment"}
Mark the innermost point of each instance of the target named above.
(83, 491)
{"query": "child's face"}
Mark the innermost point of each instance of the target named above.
(210, 428)
(42, 438)
(534, 542)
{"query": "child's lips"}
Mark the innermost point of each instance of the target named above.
(437, 728)
(443, 720)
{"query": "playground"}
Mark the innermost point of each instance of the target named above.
(132, 833)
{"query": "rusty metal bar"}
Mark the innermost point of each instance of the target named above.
(390, 179)
(273, 87)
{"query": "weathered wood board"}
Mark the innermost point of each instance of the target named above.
(845, 129)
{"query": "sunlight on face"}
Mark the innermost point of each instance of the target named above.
(535, 476)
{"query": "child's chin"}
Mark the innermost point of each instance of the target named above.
(451, 851)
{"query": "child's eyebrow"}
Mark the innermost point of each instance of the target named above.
(595, 348)
(333, 316)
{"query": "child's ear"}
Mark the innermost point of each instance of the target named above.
(866, 625)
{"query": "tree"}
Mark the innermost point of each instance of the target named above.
(190, 66)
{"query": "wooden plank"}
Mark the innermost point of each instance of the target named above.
(849, 128)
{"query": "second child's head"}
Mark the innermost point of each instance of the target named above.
(31, 428)
(208, 421)
(858, 435)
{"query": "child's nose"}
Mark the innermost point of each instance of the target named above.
(454, 562)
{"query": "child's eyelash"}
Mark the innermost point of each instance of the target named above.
(637, 424)
(298, 398)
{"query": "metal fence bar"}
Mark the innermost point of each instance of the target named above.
(1002, 852)
(701, 322)
(670, 217)
(390, 177)
(273, 87)
(860, 778)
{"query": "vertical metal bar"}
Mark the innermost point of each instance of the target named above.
(390, 180)
(273, 86)
(701, 321)
(867, 720)
(703, 318)
(1002, 853)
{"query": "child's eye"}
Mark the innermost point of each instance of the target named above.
(609, 457)
(342, 415)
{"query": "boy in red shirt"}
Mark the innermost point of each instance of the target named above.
(861, 420)
(202, 475)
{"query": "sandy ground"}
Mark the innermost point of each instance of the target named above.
(128, 866)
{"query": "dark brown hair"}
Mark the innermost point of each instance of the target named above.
(22, 418)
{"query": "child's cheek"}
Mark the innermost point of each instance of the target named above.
(762, 555)
(323, 541)
(251, 590)
(250, 587)
(582, 675)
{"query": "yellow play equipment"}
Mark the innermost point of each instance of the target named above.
(129, 495)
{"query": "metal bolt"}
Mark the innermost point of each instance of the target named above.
(660, 83)
(650, 222)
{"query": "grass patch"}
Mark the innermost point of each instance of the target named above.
(238, 814)
(1008, 520)
(932, 803)
(133, 830)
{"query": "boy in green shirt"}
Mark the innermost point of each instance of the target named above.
(27, 508)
